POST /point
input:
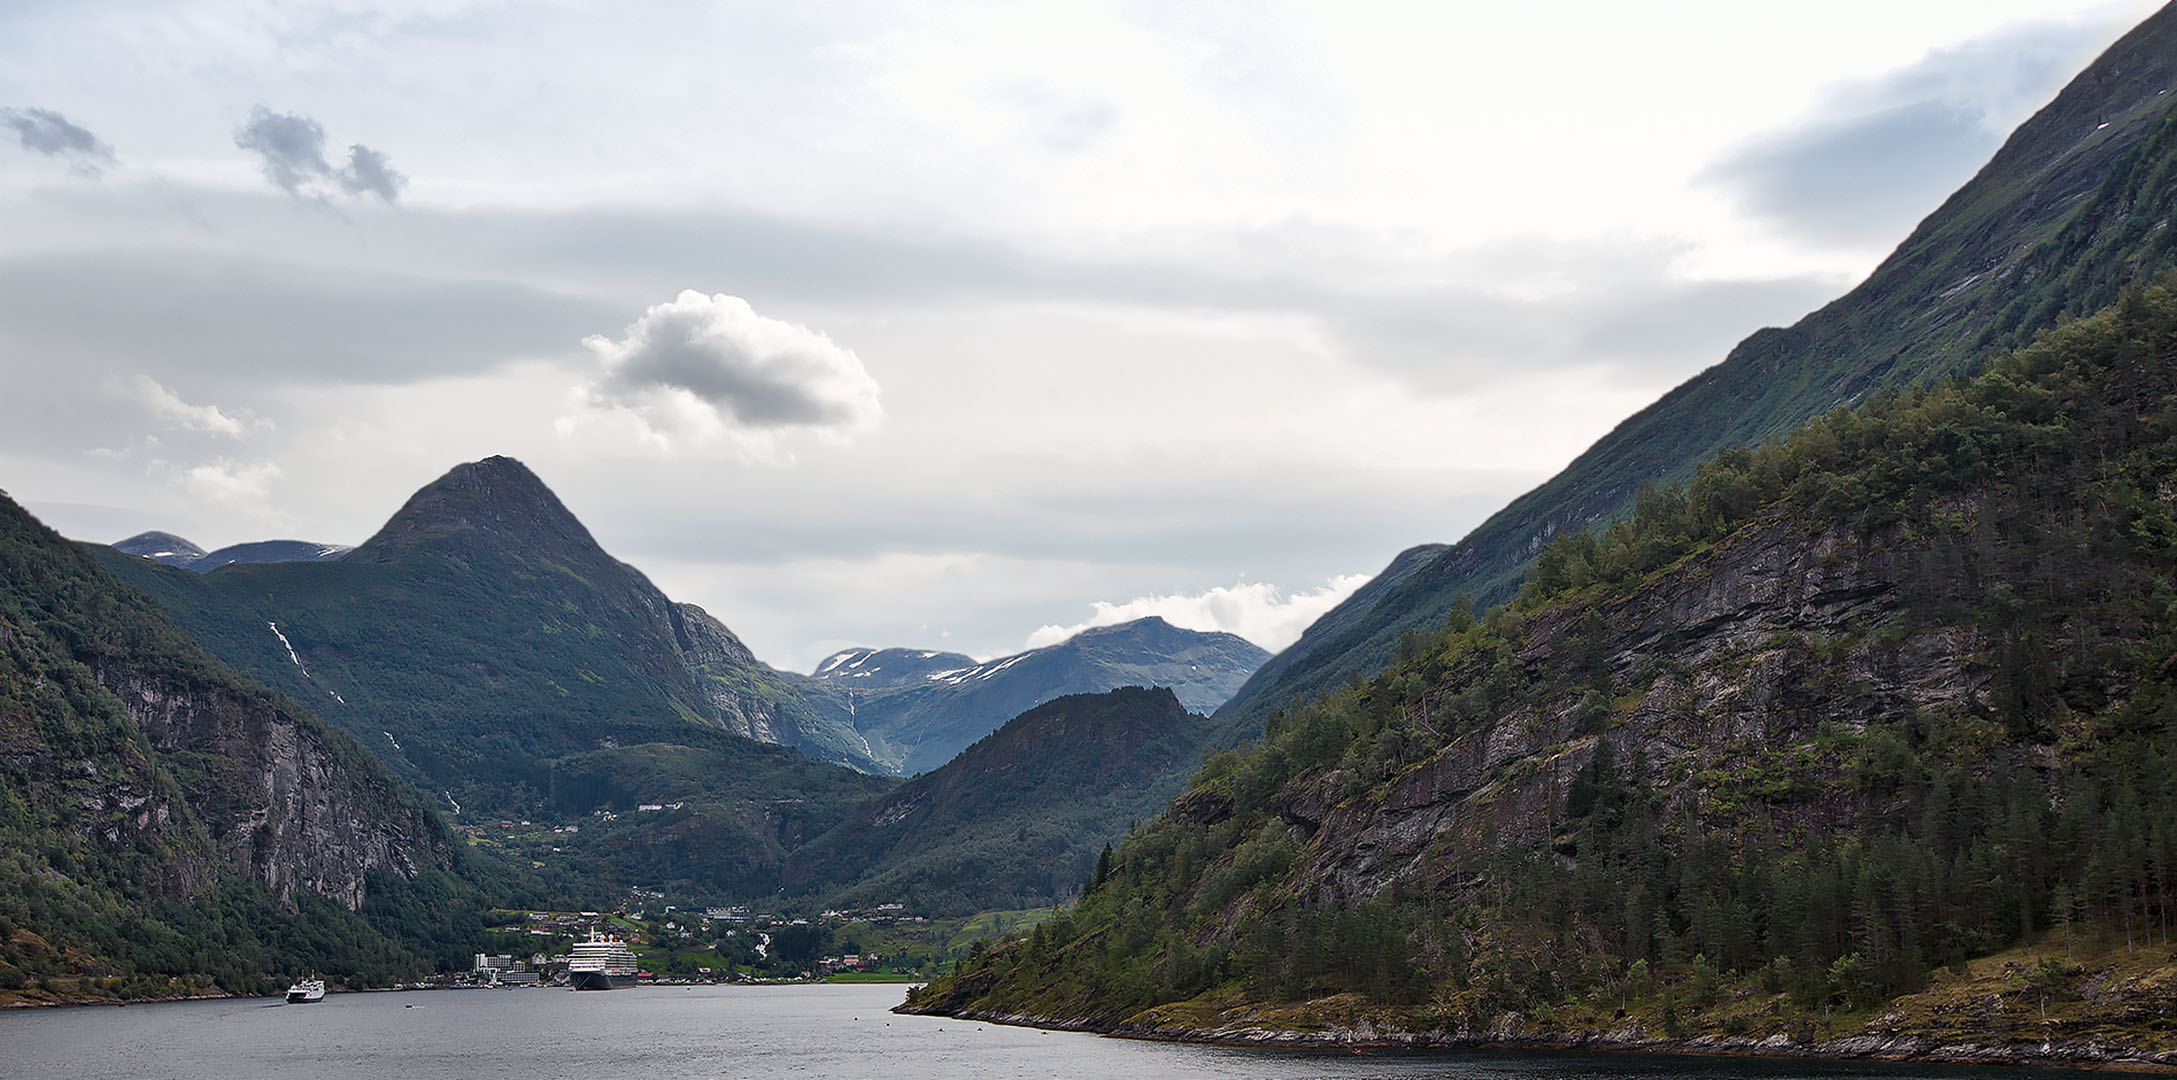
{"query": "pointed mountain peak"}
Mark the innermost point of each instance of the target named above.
(496, 504)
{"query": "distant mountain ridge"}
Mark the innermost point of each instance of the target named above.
(879, 669)
(173, 550)
(2075, 205)
(917, 709)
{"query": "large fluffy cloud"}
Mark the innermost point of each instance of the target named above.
(291, 149)
(704, 368)
(1257, 611)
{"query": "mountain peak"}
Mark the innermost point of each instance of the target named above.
(1154, 628)
(162, 546)
(493, 504)
(1147, 624)
(864, 668)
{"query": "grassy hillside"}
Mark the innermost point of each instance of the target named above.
(1016, 820)
(2071, 209)
(1832, 725)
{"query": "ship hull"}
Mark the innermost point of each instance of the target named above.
(599, 980)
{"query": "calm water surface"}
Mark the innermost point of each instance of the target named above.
(674, 1033)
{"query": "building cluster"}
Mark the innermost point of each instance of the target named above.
(502, 969)
(832, 965)
(572, 924)
(881, 915)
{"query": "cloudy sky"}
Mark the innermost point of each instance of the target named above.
(931, 324)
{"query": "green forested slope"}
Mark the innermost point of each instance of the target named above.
(1811, 732)
(1017, 819)
(167, 826)
(2073, 207)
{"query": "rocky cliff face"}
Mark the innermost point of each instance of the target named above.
(285, 801)
(1759, 644)
(709, 647)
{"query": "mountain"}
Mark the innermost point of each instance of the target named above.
(168, 826)
(1862, 742)
(163, 546)
(2070, 210)
(486, 647)
(885, 669)
(269, 551)
(916, 710)
(1017, 819)
(175, 551)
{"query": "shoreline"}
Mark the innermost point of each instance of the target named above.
(1905, 1050)
(111, 1002)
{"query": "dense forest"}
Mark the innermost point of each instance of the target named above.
(1965, 742)
(1017, 819)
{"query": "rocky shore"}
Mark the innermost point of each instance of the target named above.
(1512, 1034)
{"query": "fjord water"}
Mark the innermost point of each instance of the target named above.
(721, 1033)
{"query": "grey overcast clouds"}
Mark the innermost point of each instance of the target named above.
(934, 324)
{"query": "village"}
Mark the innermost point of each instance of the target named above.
(686, 945)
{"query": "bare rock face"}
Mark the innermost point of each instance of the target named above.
(1757, 646)
(280, 801)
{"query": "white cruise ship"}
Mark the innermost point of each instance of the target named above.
(601, 963)
(306, 991)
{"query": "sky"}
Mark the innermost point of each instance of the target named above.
(939, 325)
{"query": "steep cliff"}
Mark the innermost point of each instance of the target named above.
(1809, 734)
(149, 792)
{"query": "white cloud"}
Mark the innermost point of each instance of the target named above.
(210, 419)
(1257, 611)
(232, 483)
(705, 369)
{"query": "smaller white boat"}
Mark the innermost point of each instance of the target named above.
(306, 991)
